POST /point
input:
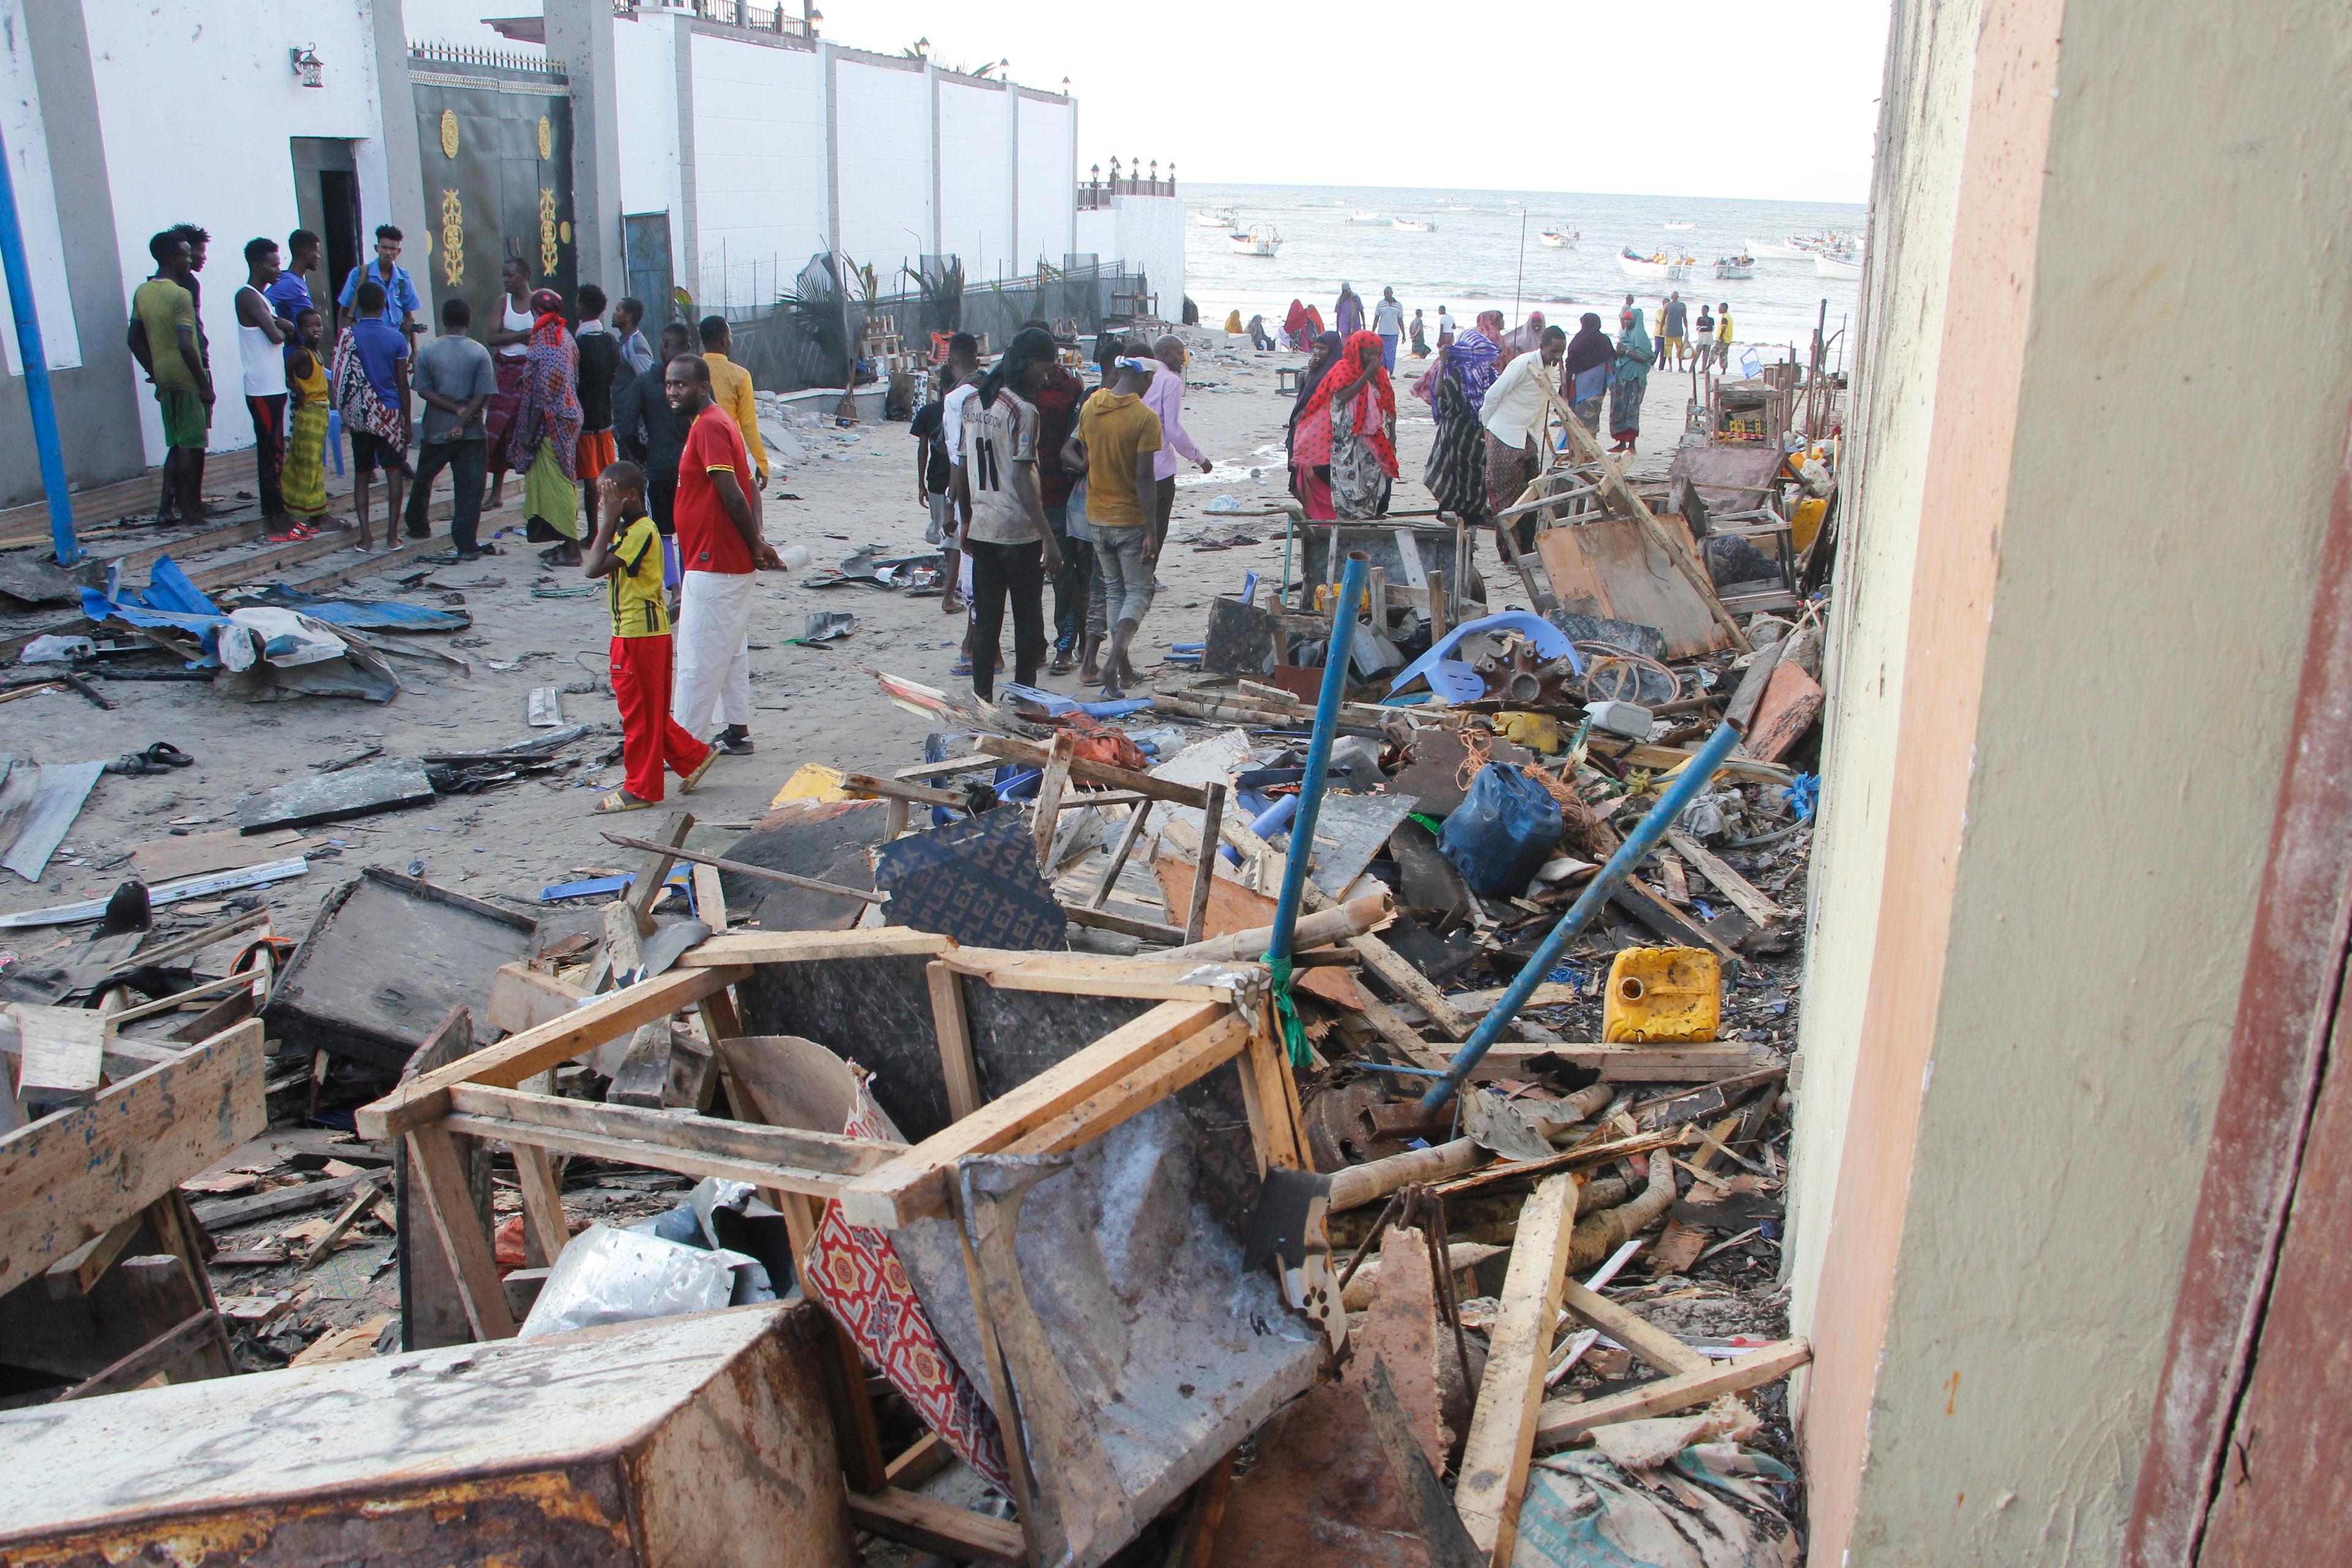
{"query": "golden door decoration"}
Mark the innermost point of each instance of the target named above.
(452, 240)
(448, 134)
(547, 254)
(546, 142)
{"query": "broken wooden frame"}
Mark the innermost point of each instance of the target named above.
(1206, 1014)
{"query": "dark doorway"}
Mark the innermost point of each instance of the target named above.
(645, 256)
(327, 202)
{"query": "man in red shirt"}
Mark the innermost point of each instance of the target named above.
(719, 546)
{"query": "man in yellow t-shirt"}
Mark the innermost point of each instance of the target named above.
(731, 388)
(628, 553)
(1112, 446)
(169, 346)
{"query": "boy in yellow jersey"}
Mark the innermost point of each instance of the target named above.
(628, 553)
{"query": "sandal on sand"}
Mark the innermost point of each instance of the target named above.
(622, 800)
(1060, 666)
(960, 666)
(167, 754)
(700, 768)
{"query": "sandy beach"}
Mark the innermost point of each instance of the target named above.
(852, 489)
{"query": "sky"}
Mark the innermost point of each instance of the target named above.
(1500, 95)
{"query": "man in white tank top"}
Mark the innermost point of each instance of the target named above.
(261, 336)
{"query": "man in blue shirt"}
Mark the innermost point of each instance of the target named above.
(290, 295)
(383, 356)
(401, 300)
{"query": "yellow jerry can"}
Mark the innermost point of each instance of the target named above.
(1671, 994)
(1806, 523)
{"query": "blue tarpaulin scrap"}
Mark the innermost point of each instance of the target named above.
(171, 602)
(361, 615)
(1456, 682)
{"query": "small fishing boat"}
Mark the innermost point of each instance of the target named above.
(1848, 264)
(1262, 240)
(1735, 267)
(1655, 267)
(1412, 225)
(1221, 218)
(1682, 226)
(1770, 252)
(1363, 217)
(1561, 239)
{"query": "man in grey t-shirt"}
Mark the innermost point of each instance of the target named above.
(456, 379)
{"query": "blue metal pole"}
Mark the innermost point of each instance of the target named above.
(36, 369)
(1643, 838)
(1318, 753)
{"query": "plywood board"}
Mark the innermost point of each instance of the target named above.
(193, 854)
(1792, 701)
(1611, 568)
(1232, 908)
(330, 797)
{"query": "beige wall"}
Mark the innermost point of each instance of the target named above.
(2136, 413)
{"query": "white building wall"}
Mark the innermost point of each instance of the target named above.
(885, 139)
(759, 175)
(227, 167)
(976, 180)
(1048, 180)
(644, 75)
(36, 202)
(461, 22)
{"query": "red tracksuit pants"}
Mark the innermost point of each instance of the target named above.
(649, 736)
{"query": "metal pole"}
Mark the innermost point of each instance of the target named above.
(38, 397)
(1643, 838)
(1318, 753)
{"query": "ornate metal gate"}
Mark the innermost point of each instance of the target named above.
(495, 133)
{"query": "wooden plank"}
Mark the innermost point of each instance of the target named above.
(1636, 897)
(1086, 974)
(192, 1336)
(1637, 1334)
(1094, 772)
(1135, 817)
(1227, 907)
(1493, 1475)
(193, 854)
(953, 1028)
(1212, 815)
(1126, 925)
(235, 1213)
(76, 1271)
(511, 1061)
(709, 897)
(747, 947)
(1133, 1092)
(71, 1177)
(1270, 1096)
(685, 1162)
(542, 1201)
(797, 1147)
(1643, 755)
(364, 1196)
(914, 1183)
(434, 1165)
(524, 998)
(61, 1054)
(653, 871)
(1565, 1421)
(1631, 1062)
(927, 1457)
(896, 1514)
(1049, 798)
(866, 786)
(1744, 895)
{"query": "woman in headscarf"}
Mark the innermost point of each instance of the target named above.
(1258, 339)
(1457, 474)
(1629, 379)
(1355, 404)
(1309, 438)
(1348, 315)
(1294, 335)
(545, 438)
(1586, 371)
(1233, 322)
(1522, 340)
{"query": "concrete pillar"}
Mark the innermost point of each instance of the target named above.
(1013, 176)
(932, 100)
(685, 232)
(1073, 207)
(580, 38)
(404, 158)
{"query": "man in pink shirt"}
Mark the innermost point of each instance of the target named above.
(1165, 397)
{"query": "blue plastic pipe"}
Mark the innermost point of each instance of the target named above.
(1318, 753)
(1643, 838)
(36, 369)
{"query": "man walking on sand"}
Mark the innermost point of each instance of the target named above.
(454, 380)
(1113, 449)
(1388, 320)
(164, 342)
(720, 548)
(1165, 397)
(1673, 316)
(261, 340)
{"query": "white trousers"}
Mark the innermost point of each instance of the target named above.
(713, 651)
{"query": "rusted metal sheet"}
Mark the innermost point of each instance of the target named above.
(695, 1442)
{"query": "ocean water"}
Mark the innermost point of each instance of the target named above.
(1475, 259)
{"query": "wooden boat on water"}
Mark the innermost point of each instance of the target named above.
(1412, 225)
(1561, 241)
(1655, 267)
(1735, 268)
(1848, 264)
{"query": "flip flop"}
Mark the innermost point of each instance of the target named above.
(167, 754)
(622, 800)
(700, 768)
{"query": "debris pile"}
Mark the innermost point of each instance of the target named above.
(1329, 1110)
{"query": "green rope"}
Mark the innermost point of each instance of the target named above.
(1294, 1033)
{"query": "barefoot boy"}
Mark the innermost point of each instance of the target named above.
(628, 553)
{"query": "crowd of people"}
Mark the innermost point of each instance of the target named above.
(653, 461)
